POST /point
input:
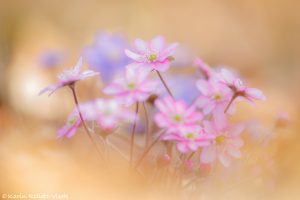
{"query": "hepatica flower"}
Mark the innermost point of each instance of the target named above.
(70, 77)
(106, 55)
(226, 144)
(155, 55)
(205, 70)
(174, 114)
(110, 113)
(51, 59)
(107, 113)
(74, 121)
(214, 96)
(238, 87)
(134, 87)
(189, 138)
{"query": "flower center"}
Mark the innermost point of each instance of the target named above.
(217, 97)
(177, 118)
(190, 136)
(72, 121)
(131, 86)
(220, 139)
(152, 57)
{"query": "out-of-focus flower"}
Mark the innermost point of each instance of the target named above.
(134, 87)
(189, 138)
(153, 55)
(74, 121)
(174, 114)
(110, 112)
(106, 55)
(205, 69)
(183, 87)
(51, 59)
(69, 77)
(107, 113)
(238, 88)
(226, 144)
(282, 120)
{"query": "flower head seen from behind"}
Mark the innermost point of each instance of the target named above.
(134, 87)
(239, 88)
(225, 146)
(174, 114)
(155, 55)
(69, 77)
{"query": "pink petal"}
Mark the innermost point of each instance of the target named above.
(134, 56)
(140, 45)
(208, 154)
(78, 65)
(169, 51)
(203, 87)
(255, 94)
(227, 76)
(233, 151)
(157, 43)
(224, 159)
(182, 147)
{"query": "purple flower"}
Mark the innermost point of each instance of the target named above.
(106, 55)
(69, 77)
(51, 59)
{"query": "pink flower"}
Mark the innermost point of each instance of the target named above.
(69, 77)
(134, 87)
(74, 121)
(174, 114)
(153, 55)
(226, 144)
(189, 138)
(238, 87)
(205, 70)
(214, 96)
(107, 113)
(110, 113)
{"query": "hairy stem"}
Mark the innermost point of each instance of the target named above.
(148, 149)
(133, 133)
(72, 87)
(234, 96)
(164, 83)
(147, 135)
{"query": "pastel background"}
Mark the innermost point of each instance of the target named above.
(258, 38)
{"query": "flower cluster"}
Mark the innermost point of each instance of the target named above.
(200, 126)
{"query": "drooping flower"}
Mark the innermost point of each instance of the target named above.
(206, 71)
(153, 55)
(238, 88)
(174, 114)
(69, 77)
(225, 146)
(134, 87)
(106, 55)
(189, 138)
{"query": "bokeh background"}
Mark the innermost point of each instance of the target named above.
(258, 38)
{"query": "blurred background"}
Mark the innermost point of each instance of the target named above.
(259, 38)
